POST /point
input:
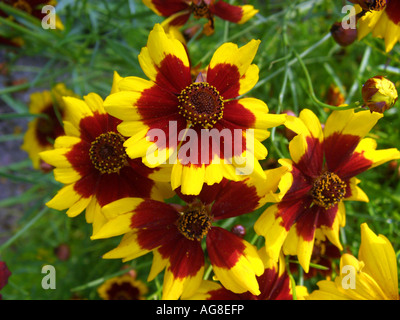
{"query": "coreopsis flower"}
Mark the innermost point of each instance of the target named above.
(125, 287)
(199, 127)
(175, 234)
(379, 94)
(32, 7)
(321, 175)
(274, 284)
(91, 162)
(368, 5)
(5, 273)
(178, 12)
(382, 19)
(373, 276)
(44, 129)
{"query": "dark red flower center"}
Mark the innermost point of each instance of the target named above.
(328, 190)
(107, 152)
(201, 104)
(377, 5)
(123, 291)
(194, 223)
(23, 5)
(200, 10)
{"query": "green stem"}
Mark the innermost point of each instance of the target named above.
(311, 89)
(24, 229)
(292, 281)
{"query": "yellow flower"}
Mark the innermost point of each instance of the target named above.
(379, 94)
(170, 116)
(90, 161)
(42, 131)
(322, 174)
(383, 23)
(373, 276)
(124, 287)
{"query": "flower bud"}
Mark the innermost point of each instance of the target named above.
(379, 94)
(239, 230)
(343, 37)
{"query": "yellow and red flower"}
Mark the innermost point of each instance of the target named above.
(321, 174)
(179, 11)
(32, 7)
(91, 162)
(274, 284)
(125, 287)
(210, 105)
(383, 20)
(174, 233)
(44, 129)
(373, 276)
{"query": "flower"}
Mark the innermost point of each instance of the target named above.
(124, 287)
(178, 12)
(379, 94)
(91, 162)
(367, 5)
(321, 175)
(174, 233)
(383, 21)
(4, 275)
(32, 7)
(44, 129)
(170, 116)
(373, 276)
(274, 284)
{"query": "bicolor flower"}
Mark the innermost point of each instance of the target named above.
(199, 127)
(178, 12)
(373, 276)
(34, 8)
(383, 20)
(91, 162)
(125, 287)
(321, 175)
(175, 234)
(379, 94)
(274, 284)
(49, 108)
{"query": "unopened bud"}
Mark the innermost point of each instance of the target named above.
(342, 36)
(379, 94)
(239, 230)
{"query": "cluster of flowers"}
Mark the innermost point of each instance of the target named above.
(102, 153)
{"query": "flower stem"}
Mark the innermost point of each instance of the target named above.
(312, 93)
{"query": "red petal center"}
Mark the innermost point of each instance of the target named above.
(328, 190)
(107, 152)
(201, 104)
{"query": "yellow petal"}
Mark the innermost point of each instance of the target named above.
(128, 248)
(229, 53)
(242, 277)
(159, 45)
(192, 179)
(269, 226)
(380, 261)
